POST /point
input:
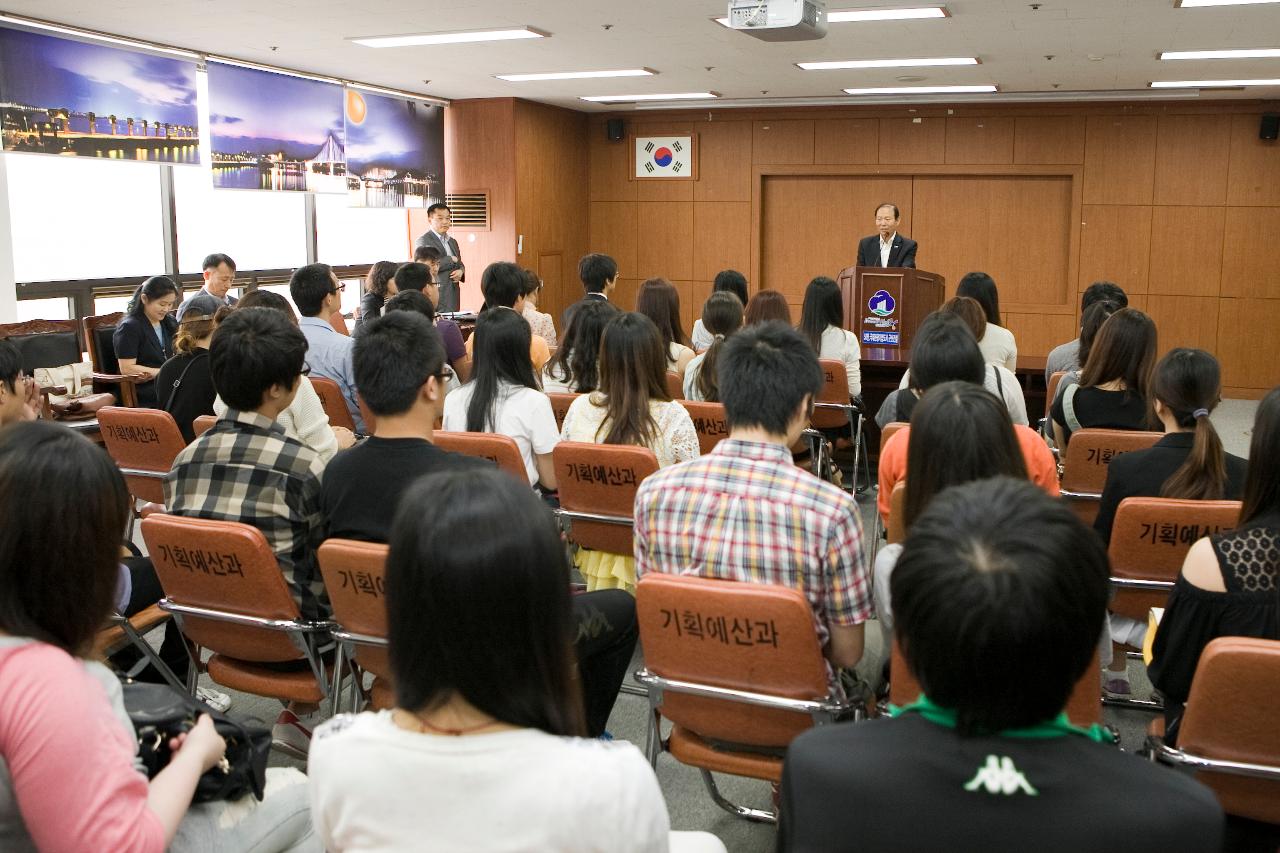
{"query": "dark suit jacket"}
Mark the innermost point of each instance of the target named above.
(903, 253)
(568, 312)
(1141, 474)
(448, 287)
(135, 338)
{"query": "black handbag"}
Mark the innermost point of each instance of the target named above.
(159, 713)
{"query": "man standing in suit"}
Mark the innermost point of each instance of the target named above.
(219, 273)
(451, 271)
(889, 248)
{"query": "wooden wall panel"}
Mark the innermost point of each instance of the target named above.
(913, 140)
(607, 166)
(724, 161)
(700, 291)
(721, 238)
(1190, 168)
(979, 140)
(1251, 253)
(612, 229)
(810, 226)
(1119, 159)
(1036, 334)
(1115, 245)
(1253, 176)
(1186, 250)
(1185, 321)
(777, 142)
(1016, 228)
(624, 293)
(847, 140)
(1243, 326)
(1048, 140)
(664, 240)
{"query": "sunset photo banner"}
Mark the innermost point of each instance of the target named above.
(395, 151)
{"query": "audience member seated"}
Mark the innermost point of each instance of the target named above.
(997, 343)
(945, 351)
(541, 324)
(574, 369)
(631, 407)
(246, 469)
(746, 512)
(1113, 388)
(503, 286)
(379, 286)
(419, 278)
(428, 255)
(1067, 357)
(730, 281)
(318, 294)
(1090, 324)
(304, 419)
(503, 395)
(143, 339)
(67, 775)
(960, 433)
(1229, 581)
(19, 394)
(999, 597)
(219, 274)
(822, 323)
(721, 317)
(660, 302)
(766, 306)
(483, 748)
(184, 385)
(998, 379)
(599, 276)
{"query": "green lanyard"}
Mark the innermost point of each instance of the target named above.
(1059, 726)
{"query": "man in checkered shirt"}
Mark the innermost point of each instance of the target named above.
(745, 512)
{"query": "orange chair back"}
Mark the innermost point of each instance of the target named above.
(835, 389)
(741, 636)
(202, 424)
(709, 421)
(1150, 539)
(1051, 391)
(145, 439)
(601, 479)
(888, 432)
(560, 403)
(501, 449)
(366, 415)
(1230, 716)
(355, 577)
(895, 528)
(339, 323)
(1084, 467)
(1084, 705)
(225, 566)
(335, 405)
(675, 385)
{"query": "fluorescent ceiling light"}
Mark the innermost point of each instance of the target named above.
(1248, 53)
(888, 63)
(1186, 4)
(274, 69)
(1211, 84)
(461, 37)
(921, 90)
(95, 36)
(850, 16)
(678, 96)
(576, 75)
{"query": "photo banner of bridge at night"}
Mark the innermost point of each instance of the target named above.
(395, 151)
(62, 96)
(275, 131)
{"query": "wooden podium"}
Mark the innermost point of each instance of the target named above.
(885, 305)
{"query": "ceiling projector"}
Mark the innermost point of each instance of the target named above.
(779, 20)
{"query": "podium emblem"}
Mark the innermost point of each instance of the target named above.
(881, 303)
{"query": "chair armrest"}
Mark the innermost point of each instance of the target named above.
(118, 378)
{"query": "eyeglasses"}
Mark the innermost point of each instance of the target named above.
(306, 369)
(446, 373)
(342, 285)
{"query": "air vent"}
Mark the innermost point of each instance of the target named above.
(470, 210)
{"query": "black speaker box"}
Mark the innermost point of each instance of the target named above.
(614, 129)
(1270, 126)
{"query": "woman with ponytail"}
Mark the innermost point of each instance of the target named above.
(721, 317)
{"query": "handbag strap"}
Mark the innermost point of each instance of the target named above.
(1069, 408)
(173, 392)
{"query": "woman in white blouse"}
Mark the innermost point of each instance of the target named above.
(996, 342)
(631, 407)
(822, 324)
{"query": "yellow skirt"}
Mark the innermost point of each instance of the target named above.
(603, 570)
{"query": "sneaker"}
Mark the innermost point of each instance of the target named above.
(1116, 687)
(215, 699)
(292, 734)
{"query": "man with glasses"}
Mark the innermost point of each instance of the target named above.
(318, 294)
(219, 273)
(451, 272)
(19, 396)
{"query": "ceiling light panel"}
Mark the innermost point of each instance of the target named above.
(623, 99)
(1212, 84)
(1247, 53)
(1188, 4)
(922, 90)
(459, 37)
(887, 63)
(575, 75)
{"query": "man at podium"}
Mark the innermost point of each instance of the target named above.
(888, 248)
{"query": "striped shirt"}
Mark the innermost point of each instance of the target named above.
(745, 512)
(246, 469)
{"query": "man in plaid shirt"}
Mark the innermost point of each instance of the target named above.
(745, 512)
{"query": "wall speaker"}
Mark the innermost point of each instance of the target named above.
(614, 129)
(1270, 126)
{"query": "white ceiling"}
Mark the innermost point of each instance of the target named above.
(679, 39)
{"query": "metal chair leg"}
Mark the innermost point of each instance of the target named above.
(754, 815)
(151, 655)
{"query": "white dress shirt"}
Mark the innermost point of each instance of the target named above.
(886, 248)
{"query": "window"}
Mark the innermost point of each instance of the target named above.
(360, 235)
(76, 217)
(259, 230)
(110, 304)
(50, 308)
